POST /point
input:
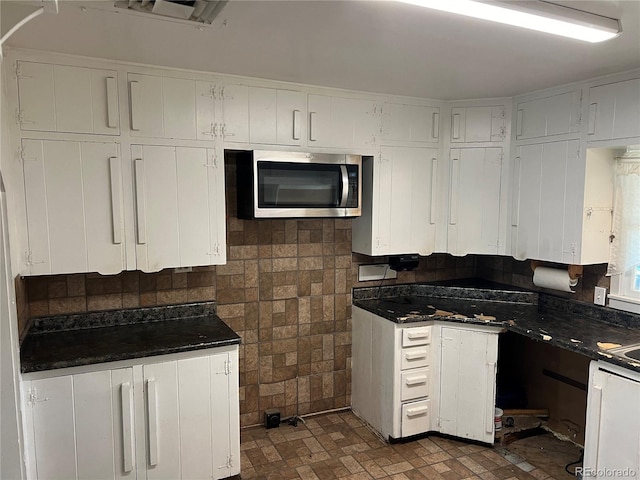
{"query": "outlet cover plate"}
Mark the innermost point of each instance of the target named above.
(600, 296)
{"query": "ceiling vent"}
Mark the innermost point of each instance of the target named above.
(201, 11)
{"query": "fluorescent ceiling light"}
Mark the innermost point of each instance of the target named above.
(534, 15)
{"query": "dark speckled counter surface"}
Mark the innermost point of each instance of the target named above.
(570, 325)
(85, 339)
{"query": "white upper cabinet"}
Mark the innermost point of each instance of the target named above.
(58, 98)
(262, 115)
(74, 207)
(179, 206)
(165, 107)
(478, 124)
(276, 116)
(614, 111)
(474, 200)
(562, 201)
(337, 122)
(552, 115)
(399, 202)
(410, 123)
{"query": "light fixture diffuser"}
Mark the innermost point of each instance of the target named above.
(533, 15)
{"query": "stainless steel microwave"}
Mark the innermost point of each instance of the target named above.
(293, 184)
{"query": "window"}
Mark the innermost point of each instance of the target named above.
(624, 262)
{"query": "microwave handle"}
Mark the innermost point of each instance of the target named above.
(345, 186)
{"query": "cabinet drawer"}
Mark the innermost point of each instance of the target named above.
(416, 336)
(414, 384)
(415, 357)
(415, 418)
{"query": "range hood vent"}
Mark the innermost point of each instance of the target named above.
(199, 11)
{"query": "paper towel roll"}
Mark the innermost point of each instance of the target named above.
(553, 278)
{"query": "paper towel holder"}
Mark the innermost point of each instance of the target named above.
(575, 271)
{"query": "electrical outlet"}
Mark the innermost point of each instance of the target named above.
(599, 295)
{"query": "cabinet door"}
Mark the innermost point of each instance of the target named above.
(58, 98)
(474, 201)
(467, 383)
(614, 111)
(180, 217)
(553, 115)
(162, 107)
(74, 207)
(548, 190)
(235, 107)
(189, 418)
(402, 215)
(612, 440)
(81, 426)
(410, 123)
(275, 116)
(319, 120)
(478, 124)
(339, 122)
(290, 117)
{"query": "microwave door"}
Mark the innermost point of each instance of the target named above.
(299, 186)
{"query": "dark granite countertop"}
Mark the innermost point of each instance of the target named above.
(570, 325)
(85, 339)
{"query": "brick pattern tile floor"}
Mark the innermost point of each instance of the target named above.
(340, 446)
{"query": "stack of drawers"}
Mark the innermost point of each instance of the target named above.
(415, 375)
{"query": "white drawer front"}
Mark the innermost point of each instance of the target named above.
(415, 418)
(416, 336)
(415, 357)
(415, 384)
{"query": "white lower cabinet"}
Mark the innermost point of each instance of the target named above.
(391, 384)
(612, 441)
(176, 419)
(468, 358)
(409, 379)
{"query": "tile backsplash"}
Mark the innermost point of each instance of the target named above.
(286, 290)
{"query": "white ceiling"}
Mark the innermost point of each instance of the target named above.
(377, 46)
